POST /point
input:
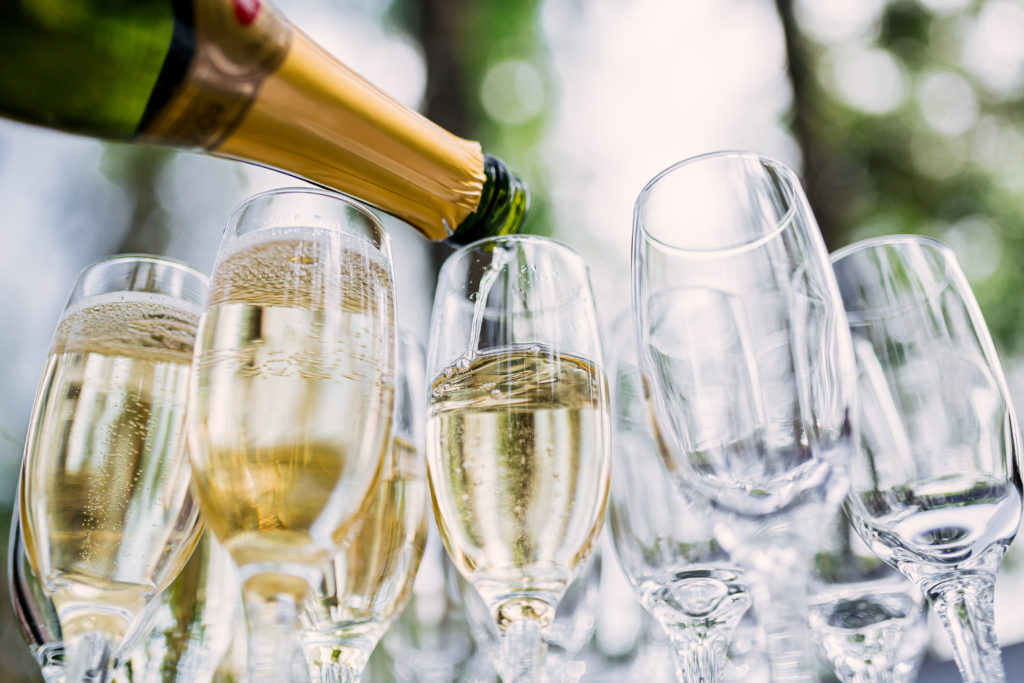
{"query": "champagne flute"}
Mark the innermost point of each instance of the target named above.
(664, 540)
(369, 581)
(192, 624)
(291, 398)
(517, 431)
(33, 610)
(867, 618)
(936, 487)
(106, 510)
(750, 370)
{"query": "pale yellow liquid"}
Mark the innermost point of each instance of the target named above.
(107, 512)
(370, 580)
(292, 396)
(518, 454)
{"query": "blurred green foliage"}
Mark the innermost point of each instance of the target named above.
(943, 159)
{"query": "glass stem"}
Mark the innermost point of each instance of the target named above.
(965, 608)
(780, 597)
(272, 637)
(523, 652)
(336, 664)
(698, 660)
(89, 657)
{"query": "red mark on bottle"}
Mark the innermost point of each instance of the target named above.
(246, 11)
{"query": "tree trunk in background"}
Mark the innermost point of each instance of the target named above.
(821, 191)
(436, 25)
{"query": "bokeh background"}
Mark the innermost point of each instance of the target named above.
(901, 116)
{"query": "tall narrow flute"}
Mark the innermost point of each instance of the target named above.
(106, 506)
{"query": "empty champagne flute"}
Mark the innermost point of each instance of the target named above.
(748, 363)
(517, 431)
(664, 541)
(936, 486)
(291, 398)
(868, 619)
(369, 581)
(106, 509)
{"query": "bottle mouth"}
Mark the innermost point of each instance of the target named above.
(503, 205)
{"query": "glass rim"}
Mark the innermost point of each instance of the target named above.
(887, 240)
(518, 237)
(950, 275)
(154, 259)
(382, 237)
(763, 160)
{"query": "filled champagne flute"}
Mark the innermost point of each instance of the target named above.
(369, 581)
(291, 398)
(936, 487)
(517, 445)
(663, 539)
(106, 509)
(749, 367)
(192, 622)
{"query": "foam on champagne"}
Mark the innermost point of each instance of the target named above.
(109, 516)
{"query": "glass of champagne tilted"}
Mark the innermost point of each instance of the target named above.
(106, 509)
(291, 398)
(517, 431)
(747, 357)
(369, 581)
(936, 486)
(33, 610)
(663, 539)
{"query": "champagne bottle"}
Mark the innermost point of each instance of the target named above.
(235, 79)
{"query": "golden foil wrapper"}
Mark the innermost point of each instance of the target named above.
(263, 92)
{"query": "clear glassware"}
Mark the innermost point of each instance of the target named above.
(369, 581)
(431, 641)
(517, 431)
(748, 364)
(192, 624)
(291, 398)
(936, 486)
(34, 612)
(869, 621)
(664, 540)
(573, 625)
(106, 508)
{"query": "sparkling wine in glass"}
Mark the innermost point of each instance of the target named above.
(291, 398)
(369, 581)
(664, 540)
(749, 368)
(517, 431)
(106, 509)
(936, 486)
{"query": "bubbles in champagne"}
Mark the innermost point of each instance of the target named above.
(293, 391)
(518, 445)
